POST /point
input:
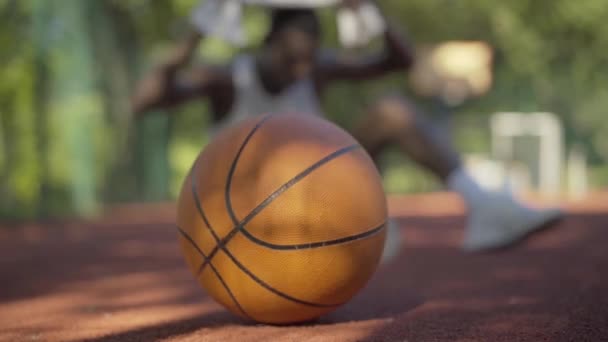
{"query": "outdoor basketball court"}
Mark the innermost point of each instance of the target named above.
(123, 278)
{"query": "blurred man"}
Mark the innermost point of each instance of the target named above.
(290, 72)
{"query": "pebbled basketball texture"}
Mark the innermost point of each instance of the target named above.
(281, 218)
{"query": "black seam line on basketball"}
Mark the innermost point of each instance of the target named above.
(259, 208)
(220, 243)
(272, 289)
(240, 226)
(290, 183)
(232, 170)
(313, 245)
(199, 206)
(215, 271)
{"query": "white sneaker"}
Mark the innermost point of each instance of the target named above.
(501, 221)
(392, 246)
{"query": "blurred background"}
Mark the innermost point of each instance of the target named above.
(519, 85)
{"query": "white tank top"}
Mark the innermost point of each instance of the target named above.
(252, 99)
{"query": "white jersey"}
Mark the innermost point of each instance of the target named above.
(252, 99)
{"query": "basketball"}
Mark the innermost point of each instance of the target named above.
(282, 218)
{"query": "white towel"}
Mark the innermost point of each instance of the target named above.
(357, 27)
(223, 19)
(292, 3)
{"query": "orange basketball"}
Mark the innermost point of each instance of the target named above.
(281, 218)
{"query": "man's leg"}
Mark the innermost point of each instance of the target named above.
(393, 121)
(495, 219)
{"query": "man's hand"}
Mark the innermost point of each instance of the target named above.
(155, 87)
(183, 52)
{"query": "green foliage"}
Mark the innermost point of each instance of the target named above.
(67, 140)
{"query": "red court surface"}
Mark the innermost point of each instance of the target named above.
(123, 279)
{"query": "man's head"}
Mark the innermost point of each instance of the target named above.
(292, 42)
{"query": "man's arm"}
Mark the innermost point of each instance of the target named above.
(168, 85)
(397, 55)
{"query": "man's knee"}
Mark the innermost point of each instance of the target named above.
(393, 113)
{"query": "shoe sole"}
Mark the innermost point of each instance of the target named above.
(510, 244)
